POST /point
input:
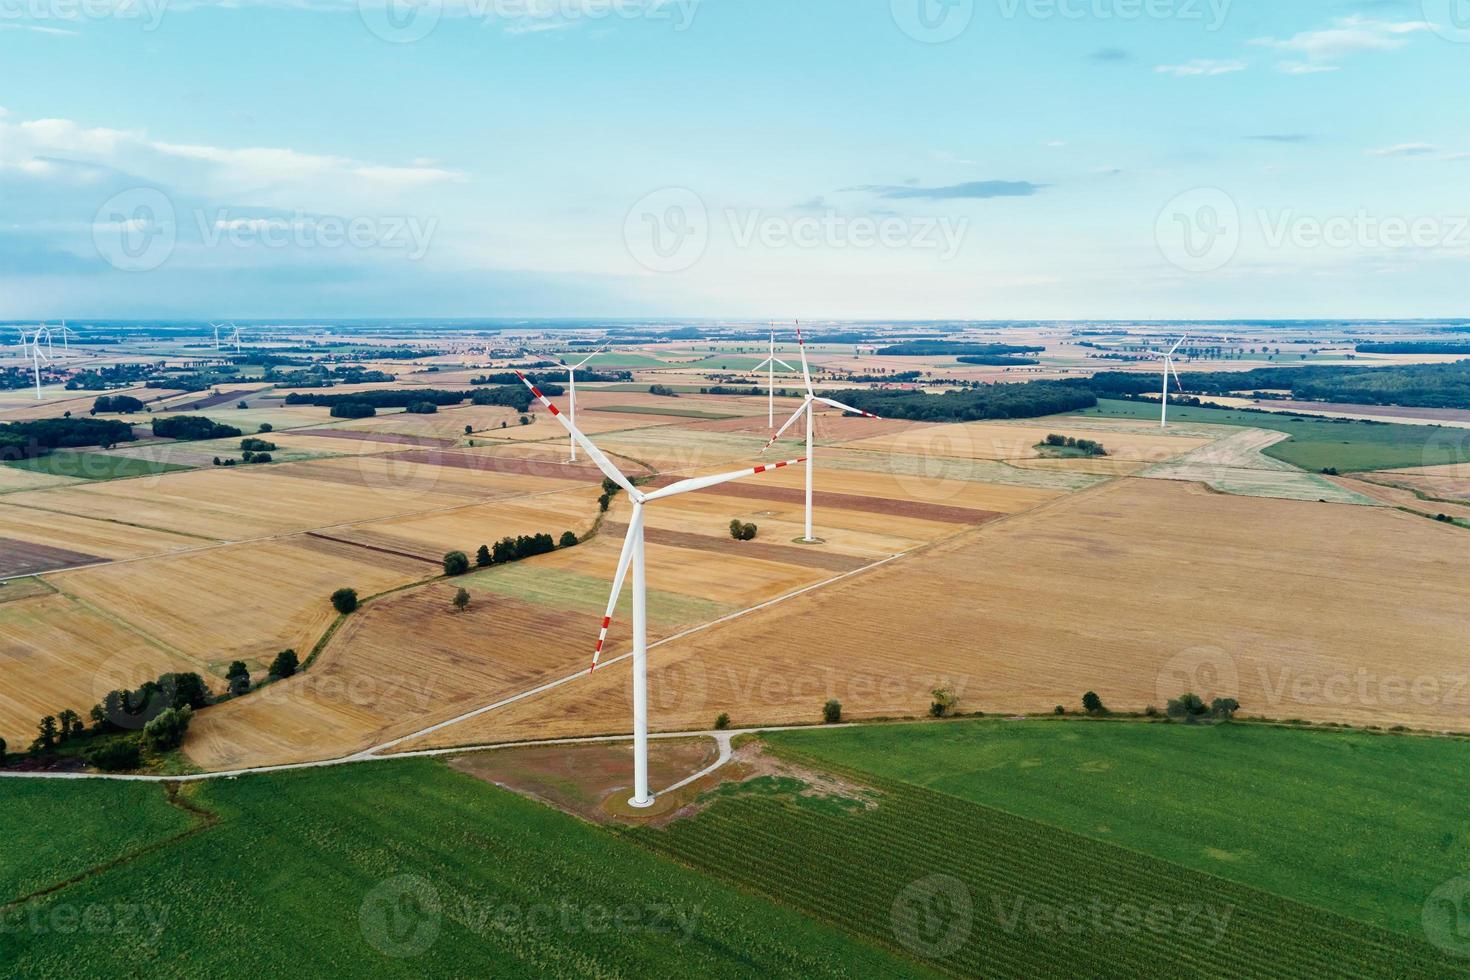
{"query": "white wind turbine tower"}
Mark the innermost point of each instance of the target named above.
(1168, 370)
(809, 409)
(572, 370)
(236, 338)
(632, 557)
(216, 327)
(771, 363)
(37, 356)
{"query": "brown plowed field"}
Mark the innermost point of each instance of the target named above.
(26, 558)
(391, 438)
(785, 553)
(848, 501)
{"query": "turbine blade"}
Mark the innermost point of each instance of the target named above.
(806, 372)
(592, 355)
(705, 482)
(1176, 347)
(847, 408)
(785, 365)
(1176, 376)
(635, 527)
(760, 366)
(789, 422)
(593, 453)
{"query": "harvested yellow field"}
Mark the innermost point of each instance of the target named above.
(400, 665)
(421, 472)
(234, 504)
(989, 440)
(106, 539)
(1296, 609)
(292, 442)
(1099, 466)
(13, 478)
(876, 483)
(447, 423)
(241, 602)
(723, 578)
(431, 536)
(56, 653)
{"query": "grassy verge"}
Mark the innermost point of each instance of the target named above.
(94, 466)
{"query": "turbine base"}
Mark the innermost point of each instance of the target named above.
(643, 805)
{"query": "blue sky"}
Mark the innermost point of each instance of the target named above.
(734, 158)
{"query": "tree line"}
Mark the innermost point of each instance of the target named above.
(38, 437)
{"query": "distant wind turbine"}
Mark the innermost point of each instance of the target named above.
(771, 362)
(37, 356)
(216, 327)
(809, 409)
(572, 370)
(632, 557)
(1168, 370)
(236, 338)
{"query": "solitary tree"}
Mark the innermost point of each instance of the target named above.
(345, 601)
(482, 557)
(239, 678)
(469, 430)
(46, 733)
(1224, 709)
(722, 722)
(456, 563)
(1093, 703)
(461, 600)
(832, 712)
(285, 664)
(944, 702)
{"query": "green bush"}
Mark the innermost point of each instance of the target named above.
(456, 563)
(722, 722)
(345, 601)
(353, 410)
(1093, 704)
(167, 730)
(832, 712)
(115, 754)
(285, 664)
(568, 540)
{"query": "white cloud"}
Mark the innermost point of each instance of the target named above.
(1405, 150)
(1202, 67)
(1304, 68)
(1346, 37)
(38, 29)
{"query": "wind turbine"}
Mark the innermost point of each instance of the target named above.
(216, 327)
(809, 409)
(1169, 369)
(572, 370)
(771, 362)
(37, 356)
(236, 338)
(632, 557)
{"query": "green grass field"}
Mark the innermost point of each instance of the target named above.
(1348, 446)
(94, 466)
(981, 892)
(1363, 825)
(397, 869)
(54, 831)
